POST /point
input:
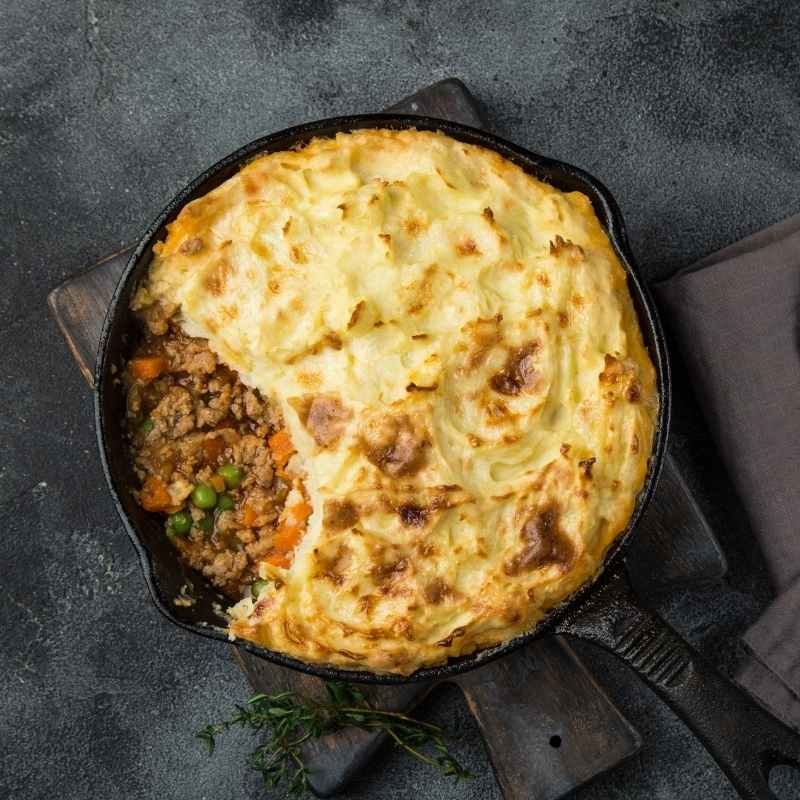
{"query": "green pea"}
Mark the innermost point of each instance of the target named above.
(207, 524)
(204, 496)
(225, 503)
(180, 523)
(232, 475)
(146, 426)
(258, 587)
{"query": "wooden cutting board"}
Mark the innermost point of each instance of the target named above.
(548, 724)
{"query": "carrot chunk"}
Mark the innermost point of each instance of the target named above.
(286, 537)
(147, 368)
(300, 512)
(218, 482)
(154, 495)
(279, 560)
(249, 516)
(280, 444)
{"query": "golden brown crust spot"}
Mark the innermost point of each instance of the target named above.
(413, 226)
(217, 277)
(412, 387)
(634, 391)
(564, 449)
(298, 254)
(544, 544)
(484, 334)
(519, 373)
(191, 246)
(386, 572)
(412, 515)
(325, 417)
(586, 466)
(356, 313)
(561, 245)
(340, 515)
(467, 247)
(395, 446)
(436, 590)
(613, 370)
(454, 634)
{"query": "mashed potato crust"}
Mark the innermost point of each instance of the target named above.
(454, 349)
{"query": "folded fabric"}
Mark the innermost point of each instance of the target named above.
(736, 317)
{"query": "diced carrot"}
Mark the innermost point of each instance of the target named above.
(249, 516)
(218, 482)
(147, 368)
(279, 560)
(154, 495)
(301, 511)
(280, 444)
(286, 537)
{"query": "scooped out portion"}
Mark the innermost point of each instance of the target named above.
(214, 458)
(424, 369)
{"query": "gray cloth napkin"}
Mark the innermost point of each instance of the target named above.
(736, 316)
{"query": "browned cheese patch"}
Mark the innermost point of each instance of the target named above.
(519, 373)
(325, 417)
(586, 466)
(395, 446)
(543, 543)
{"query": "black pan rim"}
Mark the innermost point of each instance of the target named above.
(534, 164)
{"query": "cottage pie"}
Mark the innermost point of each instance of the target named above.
(392, 397)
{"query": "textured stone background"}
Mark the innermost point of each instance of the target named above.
(687, 110)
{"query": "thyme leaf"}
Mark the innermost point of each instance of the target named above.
(286, 720)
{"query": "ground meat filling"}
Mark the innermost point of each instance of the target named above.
(213, 458)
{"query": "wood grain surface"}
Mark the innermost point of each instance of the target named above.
(548, 724)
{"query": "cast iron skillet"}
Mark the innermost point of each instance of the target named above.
(743, 738)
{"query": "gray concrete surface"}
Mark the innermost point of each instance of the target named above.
(687, 110)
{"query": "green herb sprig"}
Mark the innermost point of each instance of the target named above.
(288, 720)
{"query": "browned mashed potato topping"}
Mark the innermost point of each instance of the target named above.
(450, 347)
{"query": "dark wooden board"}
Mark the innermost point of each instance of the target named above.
(549, 725)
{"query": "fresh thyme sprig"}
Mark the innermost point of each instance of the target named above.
(288, 720)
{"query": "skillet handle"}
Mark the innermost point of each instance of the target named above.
(743, 738)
